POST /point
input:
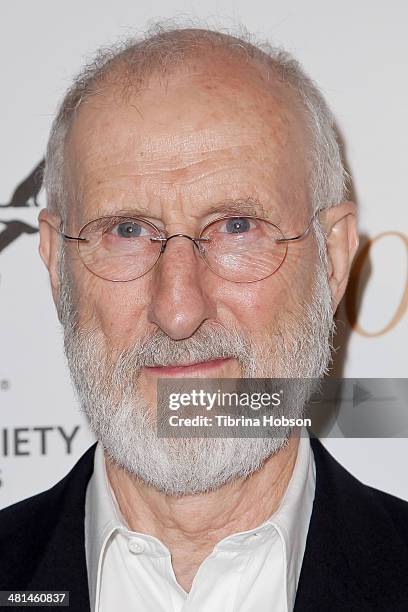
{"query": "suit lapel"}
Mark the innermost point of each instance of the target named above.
(353, 558)
(50, 554)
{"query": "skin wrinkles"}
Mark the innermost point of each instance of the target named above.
(166, 163)
(124, 182)
(189, 143)
(115, 204)
(203, 171)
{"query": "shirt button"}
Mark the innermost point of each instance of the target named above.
(136, 546)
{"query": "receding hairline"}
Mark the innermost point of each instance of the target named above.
(138, 61)
(125, 78)
(117, 86)
(161, 52)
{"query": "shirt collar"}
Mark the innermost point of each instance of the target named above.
(101, 520)
(291, 519)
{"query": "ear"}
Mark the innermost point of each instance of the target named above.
(50, 244)
(340, 225)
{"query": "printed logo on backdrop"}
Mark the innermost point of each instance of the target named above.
(14, 221)
(18, 219)
(356, 281)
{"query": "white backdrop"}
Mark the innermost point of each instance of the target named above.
(356, 51)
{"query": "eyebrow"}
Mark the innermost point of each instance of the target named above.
(135, 211)
(245, 206)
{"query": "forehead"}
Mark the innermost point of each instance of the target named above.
(205, 128)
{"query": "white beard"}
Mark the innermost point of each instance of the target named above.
(122, 421)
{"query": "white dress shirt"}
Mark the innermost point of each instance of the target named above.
(251, 571)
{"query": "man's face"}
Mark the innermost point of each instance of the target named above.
(172, 154)
(177, 154)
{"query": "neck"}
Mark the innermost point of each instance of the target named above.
(191, 525)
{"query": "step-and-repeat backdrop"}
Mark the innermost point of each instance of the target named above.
(356, 51)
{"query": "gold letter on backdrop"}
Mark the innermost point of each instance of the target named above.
(352, 290)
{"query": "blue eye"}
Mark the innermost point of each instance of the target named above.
(128, 229)
(237, 225)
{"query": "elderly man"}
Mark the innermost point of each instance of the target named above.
(197, 226)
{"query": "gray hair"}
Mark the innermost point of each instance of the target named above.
(159, 51)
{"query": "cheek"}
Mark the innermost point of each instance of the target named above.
(265, 304)
(256, 306)
(116, 309)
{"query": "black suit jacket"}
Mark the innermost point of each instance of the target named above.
(356, 556)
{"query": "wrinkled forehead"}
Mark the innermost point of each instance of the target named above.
(170, 129)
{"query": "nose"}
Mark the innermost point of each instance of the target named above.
(180, 301)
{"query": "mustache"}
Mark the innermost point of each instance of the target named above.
(210, 341)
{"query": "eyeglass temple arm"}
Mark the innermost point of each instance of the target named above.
(66, 237)
(59, 230)
(71, 237)
(302, 235)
